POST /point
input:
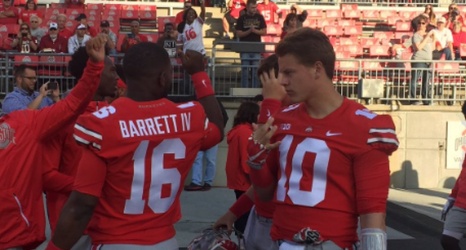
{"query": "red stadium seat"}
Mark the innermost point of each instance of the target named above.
(10, 29)
(309, 22)
(385, 14)
(274, 29)
(342, 54)
(112, 6)
(315, 13)
(110, 12)
(321, 23)
(353, 14)
(333, 30)
(129, 14)
(162, 20)
(30, 60)
(346, 22)
(407, 15)
(367, 42)
(353, 30)
(370, 15)
(334, 14)
(50, 65)
(347, 71)
(393, 20)
(94, 6)
(344, 7)
(92, 12)
(448, 73)
(74, 12)
(348, 41)
(403, 26)
(383, 35)
(379, 51)
(148, 15)
(57, 6)
(354, 50)
(71, 24)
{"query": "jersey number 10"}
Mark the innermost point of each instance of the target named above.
(159, 176)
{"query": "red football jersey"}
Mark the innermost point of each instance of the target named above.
(22, 213)
(236, 7)
(330, 170)
(63, 154)
(268, 11)
(459, 191)
(146, 149)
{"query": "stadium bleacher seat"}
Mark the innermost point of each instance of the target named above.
(30, 60)
(50, 65)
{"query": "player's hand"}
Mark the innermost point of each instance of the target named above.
(446, 208)
(271, 86)
(264, 132)
(96, 48)
(192, 62)
(226, 221)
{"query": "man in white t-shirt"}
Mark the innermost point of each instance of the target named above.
(444, 44)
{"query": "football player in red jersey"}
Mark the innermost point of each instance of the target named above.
(21, 210)
(455, 220)
(63, 151)
(137, 154)
(268, 9)
(325, 157)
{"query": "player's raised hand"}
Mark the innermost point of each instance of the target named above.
(271, 85)
(95, 48)
(264, 132)
(193, 61)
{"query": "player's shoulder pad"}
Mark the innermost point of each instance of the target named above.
(381, 132)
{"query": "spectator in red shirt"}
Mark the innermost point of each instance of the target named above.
(268, 9)
(133, 38)
(62, 30)
(53, 41)
(8, 13)
(82, 18)
(453, 15)
(24, 41)
(30, 9)
(179, 16)
(459, 37)
(74, 4)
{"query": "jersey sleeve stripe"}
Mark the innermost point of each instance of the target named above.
(85, 142)
(88, 132)
(382, 140)
(382, 130)
(206, 124)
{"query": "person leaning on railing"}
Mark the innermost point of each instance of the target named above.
(423, 44)
(24, 42)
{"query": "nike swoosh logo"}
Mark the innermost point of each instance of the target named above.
(203, 82)
(332, 134)
(268, 112)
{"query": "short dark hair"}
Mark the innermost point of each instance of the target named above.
(247, 113)
(78, 63)
(268, 63)
(251, 2)
(19, 71)
(258, 98)
(309, 46)
(145, 60)
(181, 26)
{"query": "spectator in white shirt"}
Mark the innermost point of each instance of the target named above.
(444, 44)
(79, 39)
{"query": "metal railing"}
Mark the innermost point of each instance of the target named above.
(381, 81)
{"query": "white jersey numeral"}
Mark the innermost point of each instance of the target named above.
(319, 174)
(159, 176)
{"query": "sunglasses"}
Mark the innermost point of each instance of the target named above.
(24, 28)
(34, 21)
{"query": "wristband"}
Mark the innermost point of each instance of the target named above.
(268, 108)
(202, 86)
(52, 246)
(242, 206)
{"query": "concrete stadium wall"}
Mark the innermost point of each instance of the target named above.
(420, 161)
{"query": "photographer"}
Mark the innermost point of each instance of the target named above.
(133, 38)
(24, 42)
(453, 15)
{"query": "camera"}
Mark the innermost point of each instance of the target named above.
(454, 14)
